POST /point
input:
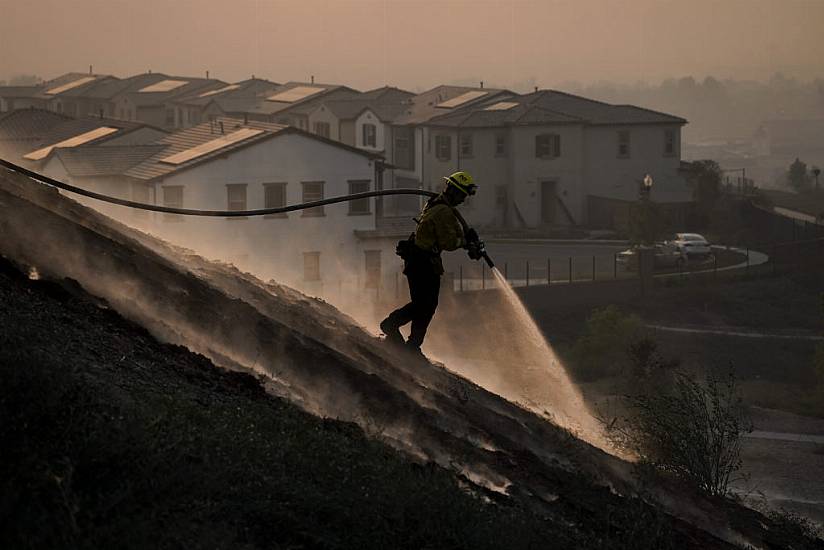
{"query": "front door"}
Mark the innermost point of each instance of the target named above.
(549, 202)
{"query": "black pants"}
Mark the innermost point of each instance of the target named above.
(424, 286)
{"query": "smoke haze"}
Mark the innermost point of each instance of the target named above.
(416, 44)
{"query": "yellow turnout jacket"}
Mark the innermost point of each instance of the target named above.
(438, 230)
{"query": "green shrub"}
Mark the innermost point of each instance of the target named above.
(600, 351)
(691, 429)
(646, 360)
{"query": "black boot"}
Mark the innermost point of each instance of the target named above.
(392, 331)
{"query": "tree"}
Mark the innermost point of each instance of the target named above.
(797, 176)
(705, 178)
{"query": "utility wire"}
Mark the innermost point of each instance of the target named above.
(215, 213)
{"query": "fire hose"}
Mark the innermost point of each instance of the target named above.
(475, 246)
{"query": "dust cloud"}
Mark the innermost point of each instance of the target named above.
(488, 338)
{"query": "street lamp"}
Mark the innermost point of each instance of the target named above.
(647, 184)
(645, 187)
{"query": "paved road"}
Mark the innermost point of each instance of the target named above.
(737, 332)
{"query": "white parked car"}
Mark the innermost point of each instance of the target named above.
(667, 255)
(693, 245)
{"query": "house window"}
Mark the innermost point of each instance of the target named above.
(372, 268)
(312, 191)
(443, 147)
(369, 135)
(623, 144)
(322, 129)
(236, 197)
(500, 145)
(669, 143)
(360, 206)
(547, 146)
(274, 196)
(466, 145)
(311, 266)
(173, 198)
(404, 144)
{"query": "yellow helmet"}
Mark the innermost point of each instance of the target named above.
(462, 181)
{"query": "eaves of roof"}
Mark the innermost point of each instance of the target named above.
(111, 160)
(153, 170)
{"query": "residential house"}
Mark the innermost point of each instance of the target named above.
(21, 97)
(409, 139)
(56, 94)
(290, 104)
(550, 159)
(233, 100)
(231, 164)
(361, 120)
(147, 97)
(31, 136)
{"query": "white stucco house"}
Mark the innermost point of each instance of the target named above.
(231, 165)
(542, 160)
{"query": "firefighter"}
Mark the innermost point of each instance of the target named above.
(439, 229)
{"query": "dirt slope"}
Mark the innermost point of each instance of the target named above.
(316, 357)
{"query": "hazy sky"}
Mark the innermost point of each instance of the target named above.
(416, 44)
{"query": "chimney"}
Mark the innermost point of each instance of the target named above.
(482, 84)
(90, 69)
(536, 89)
(312, 78)
(207, 74)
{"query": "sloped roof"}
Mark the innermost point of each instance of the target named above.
(596, 112)
(25, 142)
(262, 105)
(423, 107)
(111, 160)
(152, 168)
(77, 91)
(551, 107)
(19, 91)
(521, 114)
(350, 108)
(309, 104)
(156, 98)
(28, 124)
(246, 90)
(112, 88)
(389, 94)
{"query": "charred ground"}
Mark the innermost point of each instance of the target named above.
(114, 439)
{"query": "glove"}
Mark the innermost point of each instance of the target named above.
(475, 250)
(471, 236)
